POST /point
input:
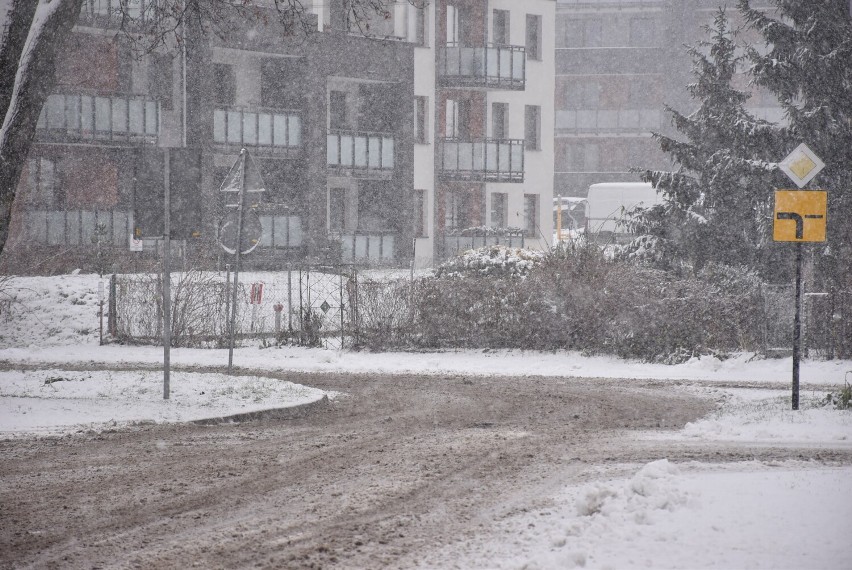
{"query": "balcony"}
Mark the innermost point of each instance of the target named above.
(360, 152)
(491, 66)
(76, 118)
(262, 131)
(489, 160)
(455, 242)
(374, 248)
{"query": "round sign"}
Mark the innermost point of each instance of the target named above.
(252, 232)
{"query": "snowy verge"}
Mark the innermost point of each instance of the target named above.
(59, 401)
(746, 515)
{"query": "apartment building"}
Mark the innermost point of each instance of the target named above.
(618, 63)
(405, 138)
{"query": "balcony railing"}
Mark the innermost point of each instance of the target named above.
(272, 131)
(360, 151)
(489, 160)
(453, 244)
(371, 247)
(91, 117)
(502, 67)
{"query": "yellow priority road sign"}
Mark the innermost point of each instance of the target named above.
(800, 215)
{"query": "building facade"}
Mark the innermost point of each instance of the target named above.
(619, 62)
(404, 138)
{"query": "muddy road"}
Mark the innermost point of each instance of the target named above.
(396, 467)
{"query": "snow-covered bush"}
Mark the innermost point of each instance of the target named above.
(495, 260)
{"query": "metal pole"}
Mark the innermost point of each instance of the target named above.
(167, 281)
(238, 249)
(289, 299)
(797, 326)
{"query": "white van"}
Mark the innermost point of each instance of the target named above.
(608, 202)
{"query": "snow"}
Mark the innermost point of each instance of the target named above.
(660, 515)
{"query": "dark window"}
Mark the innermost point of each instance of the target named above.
(421, 119)
(337, 110)
(224, 84)
(531, 215)
(500, 35)
(420, 35)
(499, 209)
(420, 219)
(41, 181)
(160, 84)
(532, 127)
(499, 120)
(337, 209)
(533, 47)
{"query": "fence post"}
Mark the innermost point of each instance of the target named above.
(111, 310)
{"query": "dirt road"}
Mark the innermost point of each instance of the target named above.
(394, 469)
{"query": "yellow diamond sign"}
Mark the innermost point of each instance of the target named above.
(800, 215)
(801, 165)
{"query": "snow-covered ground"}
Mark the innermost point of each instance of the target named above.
(661, 515)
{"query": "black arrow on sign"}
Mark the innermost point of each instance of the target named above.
(799, 221)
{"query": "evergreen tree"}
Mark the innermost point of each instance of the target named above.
(808, 66)
(717, 203)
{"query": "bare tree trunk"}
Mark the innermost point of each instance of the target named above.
(19, 18)
(32, 78)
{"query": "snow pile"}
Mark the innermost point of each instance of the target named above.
(766, 416)
(52, 401)
(495, 260)
(748, 515)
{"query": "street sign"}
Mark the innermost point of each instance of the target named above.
(800, 215)
(801, 165)
(252, 231)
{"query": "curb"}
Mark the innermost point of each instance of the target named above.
(288, 413)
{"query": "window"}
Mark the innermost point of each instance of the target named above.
(532, 127)
(531, 215)
(420, 29)
(533, 37)
(337, 209)
(337, 118)
(41, 181)
(453, 25)
(224, 84)
(499, 120)
(456, 215)
(500, 23)
(420, 217)
(456, 119)
(421, 119)
(499, 209)
(160, 79)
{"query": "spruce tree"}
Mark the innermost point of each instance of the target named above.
(717, 203)
(808, 66)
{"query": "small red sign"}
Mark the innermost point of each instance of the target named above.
(256, 295)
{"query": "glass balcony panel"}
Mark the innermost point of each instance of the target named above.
(492, 61)
(152, 117)
(388, 246)
(360, 247)
(628, 119)
(346, 150)
(519, 63)
(119, 115)
(505, 63)
(517, 162)
(375, 152)
(87, 221)
(249, 128)
(55, 112)
(451, 161)
(219, 119)
(235, 127)
(295, 130)
(467, 66)
(120, 228)
(266, 235)
(295, 231)
(452, 61)
(72, 227)
(587, 120)
(279, 130)
(102, 114)
(55, 228)
(361, 151)
(465, 156)
(36, 226)
(347, 247)
(72, 112)
(137, 116)
(86, 113)
(332, 152)
(264, 129)
(503, 161)
(608, 120)
(491, 156)
(387, 152)
(478, 156)
(374, 247)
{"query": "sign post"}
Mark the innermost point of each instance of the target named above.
(239, 234)
(800, 216)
